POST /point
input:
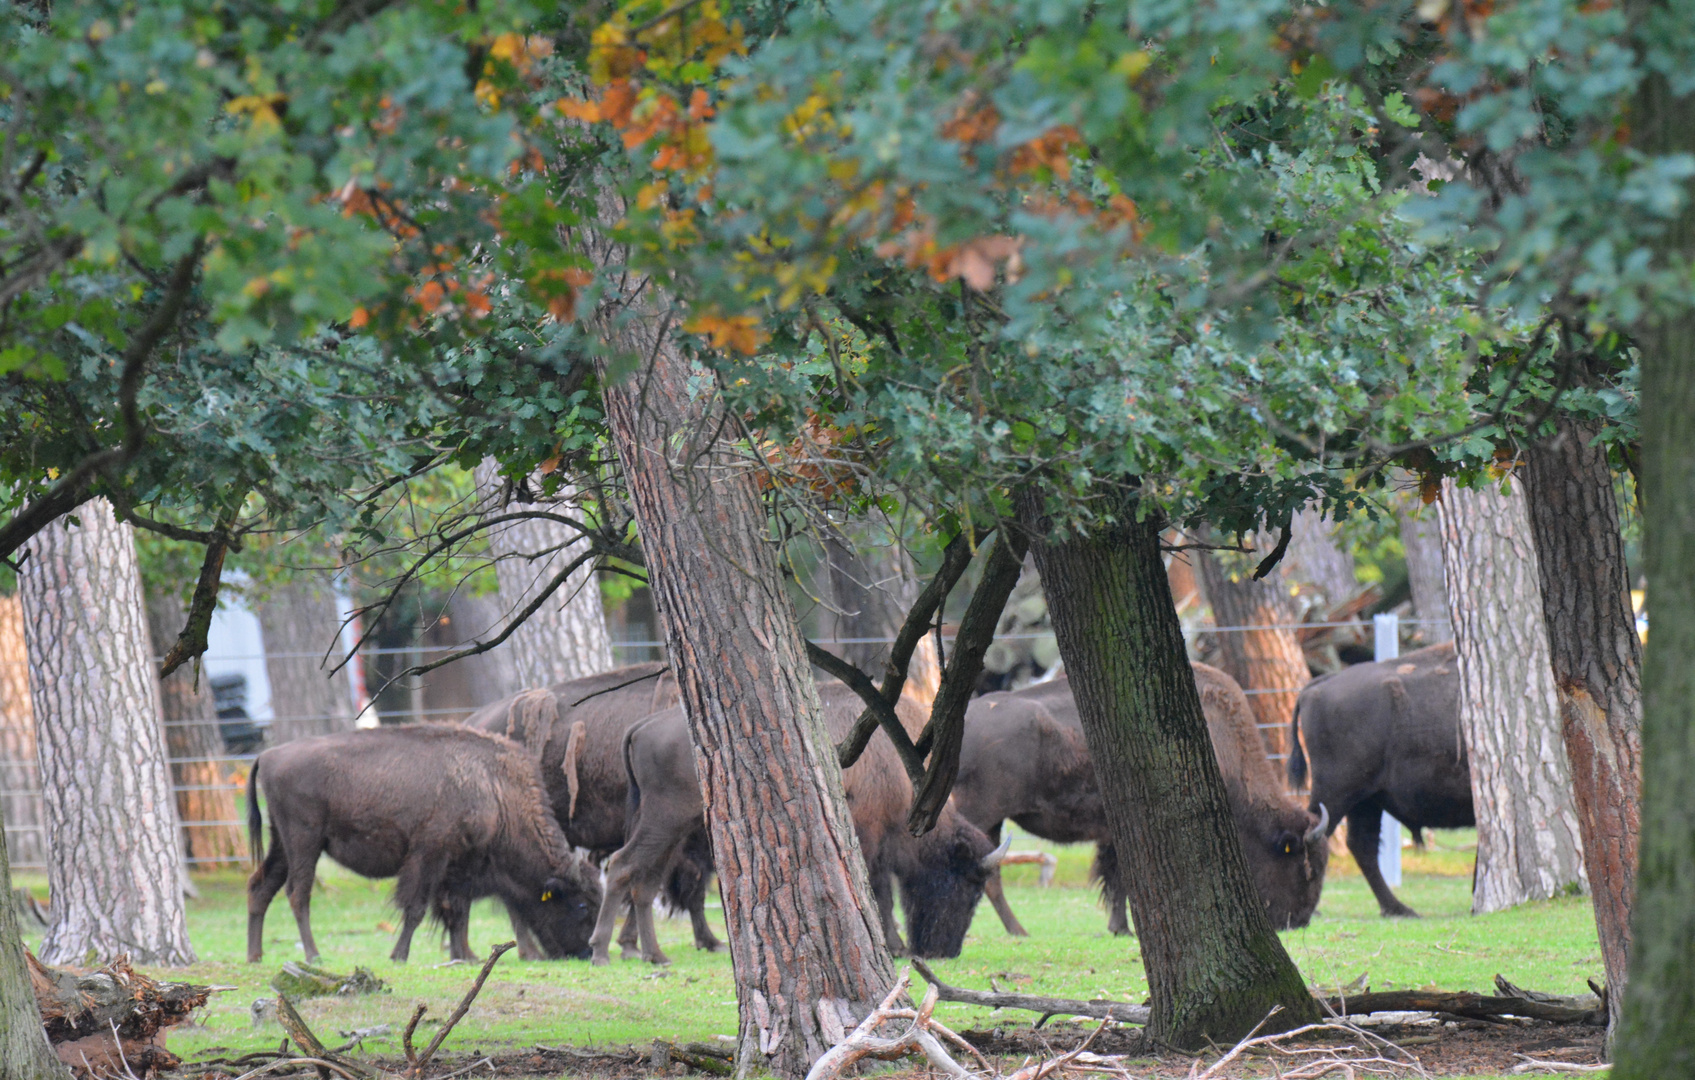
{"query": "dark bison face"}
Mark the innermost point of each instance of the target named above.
(562, 918)
(1288, 850)
(941, 895)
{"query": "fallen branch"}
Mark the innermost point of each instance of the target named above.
(310, 1045)
(1471, 1006)
(862, 1044)
(1531, 1065)
(1097, 1010)
(416, 1062)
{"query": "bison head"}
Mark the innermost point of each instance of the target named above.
(561, 914)
(1288, 850)
(940, 892)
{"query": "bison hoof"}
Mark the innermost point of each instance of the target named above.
(716, 947)
(1400, 911)
(659, 959)
(600, 960)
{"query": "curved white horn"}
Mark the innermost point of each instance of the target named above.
(1318, 832)
(993, 858)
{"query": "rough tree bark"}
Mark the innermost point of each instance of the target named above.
(1421, 540)
(1318, 562)
(1657, 1033)
(211, 830)
(1268, 663)
(804, 937)
(1597, 664)
(566, 638)
(299, 622)
(24, 1051)
(20, 789)
(1215, 966)
(113, 861)
(1528, 845)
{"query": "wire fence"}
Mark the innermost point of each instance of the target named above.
(225, 770)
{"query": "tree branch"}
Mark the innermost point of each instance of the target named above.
(191, 643)
(878, 707)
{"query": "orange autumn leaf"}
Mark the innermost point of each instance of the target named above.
(739, 332)
(359, 318)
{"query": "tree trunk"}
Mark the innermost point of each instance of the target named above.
(872, 585)
(20, 789)
(494, 674)
(1318, 562)
(1528, 845)
(1268, 663)
(1657, 1033)
(24, 1051)
(1421, 539)
(299, 622)
(1597, 665)
(211, 829)
(113, 861)
(566, 638)
(1215, 966)
(804, 934)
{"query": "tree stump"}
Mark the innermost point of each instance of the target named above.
(111, 1022)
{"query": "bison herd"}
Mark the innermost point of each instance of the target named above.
(525, 799)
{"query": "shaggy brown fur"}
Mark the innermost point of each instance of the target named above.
(576, 730)
(453, 815)
(1024, 758)
(941, 874)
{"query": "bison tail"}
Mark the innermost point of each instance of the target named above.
(255, 822)
(1297, 752)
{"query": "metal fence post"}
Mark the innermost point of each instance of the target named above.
(1386, 645)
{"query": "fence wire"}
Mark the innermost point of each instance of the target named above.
(20, 785)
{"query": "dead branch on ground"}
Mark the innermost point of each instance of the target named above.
(415, 1062)
(1048, 1006)
(862, 1043)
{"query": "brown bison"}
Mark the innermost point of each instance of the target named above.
(940, 874)
(1385, 736)
(1024, 758)
(453, 815)
(575, 730)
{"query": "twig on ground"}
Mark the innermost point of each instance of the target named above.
(320, 1063)
(1095, 1010)
(862, 1043)
(1532, 1065)
(1037, 1072)
(416, 1068)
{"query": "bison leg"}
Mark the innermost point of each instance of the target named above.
(300, 899)
(629, 938)
(642, 898)
(704, 938)
(1113, 895)
(1365, 828)
(996, 893)
(885, 896)
(456, 916)
(617, 895)
(409, 920)
(527, 947)
(262, 888)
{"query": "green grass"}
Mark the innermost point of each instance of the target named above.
(1546, 946)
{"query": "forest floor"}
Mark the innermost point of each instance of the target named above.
(622, 1009)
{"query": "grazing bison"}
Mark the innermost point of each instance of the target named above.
(453, 815)
(575, 730)
(941, 874)
(1385, 736)
(1024, 758)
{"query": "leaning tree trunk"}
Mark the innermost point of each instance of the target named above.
(20, 790)
(808, 950)
(1421, 539)
(1528, 845)
(1597, 664)
(1215, 966)
(211, 829)
(566, 637)
(300, 623)
(113, 862)
(1657, 1032)
(1267, 662)
(24, 1051)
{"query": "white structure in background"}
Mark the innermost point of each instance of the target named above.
(235, 646)
(1386, 645)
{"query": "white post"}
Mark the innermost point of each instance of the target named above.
(1386, 645)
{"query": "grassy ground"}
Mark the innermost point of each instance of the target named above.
(1547, 946)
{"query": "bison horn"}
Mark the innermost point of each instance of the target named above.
(1318, 832)
(993, 858)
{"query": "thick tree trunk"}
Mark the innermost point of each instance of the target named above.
(804, 933)
(1215, 966)
(492, 675)
(1528, 845)
(299, 622)
(1597, 665)
(1657, 1033)
(211, 829)
(1269, 664)
(1321, 565)
(20, 787)
(1421, 539)
(566, 638)
(113, 862)
(24, 1051)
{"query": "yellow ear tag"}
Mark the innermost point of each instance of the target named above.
(546, 896)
